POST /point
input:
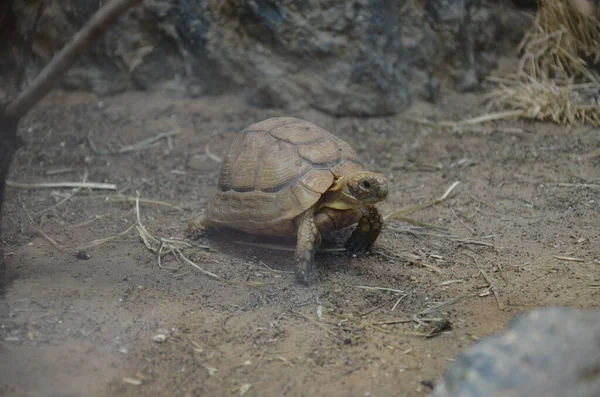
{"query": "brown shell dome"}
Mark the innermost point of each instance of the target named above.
(275, 170)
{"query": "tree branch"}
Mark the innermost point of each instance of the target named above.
(57, 67)
(27, 47)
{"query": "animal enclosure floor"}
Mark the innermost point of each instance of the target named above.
(111, 321)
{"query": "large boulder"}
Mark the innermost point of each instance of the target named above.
(547, 352)
(363, 58)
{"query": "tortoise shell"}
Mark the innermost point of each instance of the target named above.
(274, 171)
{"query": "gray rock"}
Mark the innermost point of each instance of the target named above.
(362, 58)
(550, 352)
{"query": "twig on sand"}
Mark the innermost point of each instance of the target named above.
(55, 185)
(224, 325)
(580, 185)
(99, 241)
(569, 259)
(379, 288)
(275, 270)
(461, 221)
(80, 247)
(289, 248)
(411, 258)
(402, 298)
(175, 246)
(55, 244)
(214, 276)
(373, 309)
(85, 223)
(410, 210)
(70, 196)
(398, 300)
(141, 145)
(211, 155)
(128, 199)
(465, 241)
(468, 122)
(434, 307)
(492, 288)
(315, 322)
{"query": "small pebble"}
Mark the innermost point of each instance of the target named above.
(159, 338)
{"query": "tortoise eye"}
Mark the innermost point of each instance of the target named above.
(365, 185)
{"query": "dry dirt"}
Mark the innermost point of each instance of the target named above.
(72, 326)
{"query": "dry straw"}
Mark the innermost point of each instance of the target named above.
(558, 77)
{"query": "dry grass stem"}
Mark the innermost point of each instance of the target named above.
(359, 321)
(100, 241)
(414, 222)
(411, 258)
(128, 199)
(569, 259)
(85, 223)
(275, 270)
(373, 309)
(379, 289)
(75, 191)
(55, 185)
(315, 322)
(141, 145)
(214, 276)
(80, 247)
(132, 381)
(434, 307)
(461, 221)
(492, 288)
(580, 185)
(174, 246)
(60, 171)
(465, 241)
(288, 248)
(457, 125)
(211, 155)
(443, 284)
(401, 299)
(412, 209)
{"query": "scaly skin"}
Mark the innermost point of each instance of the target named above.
(366, 232)
(308, 240)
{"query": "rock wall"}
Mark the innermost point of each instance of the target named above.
(362, 57)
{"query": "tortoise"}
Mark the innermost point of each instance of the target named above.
(285, 176)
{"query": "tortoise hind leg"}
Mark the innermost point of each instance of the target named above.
(309, 238)
(366, 232)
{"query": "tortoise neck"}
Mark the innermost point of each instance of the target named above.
(339, 199)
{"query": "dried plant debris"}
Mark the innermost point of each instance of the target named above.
(558, 76)
(563, 103)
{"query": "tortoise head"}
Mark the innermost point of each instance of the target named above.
(367, 187)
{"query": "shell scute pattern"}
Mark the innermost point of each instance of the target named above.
(275, 170)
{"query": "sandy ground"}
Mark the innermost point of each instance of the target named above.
(86, 325)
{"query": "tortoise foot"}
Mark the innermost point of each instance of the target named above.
(358, 245)
(197, 228)
(366, 232)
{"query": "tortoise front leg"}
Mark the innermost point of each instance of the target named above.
(366, 232)
(309, 238)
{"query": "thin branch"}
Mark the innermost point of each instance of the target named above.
(27, 48)
(57, 67)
